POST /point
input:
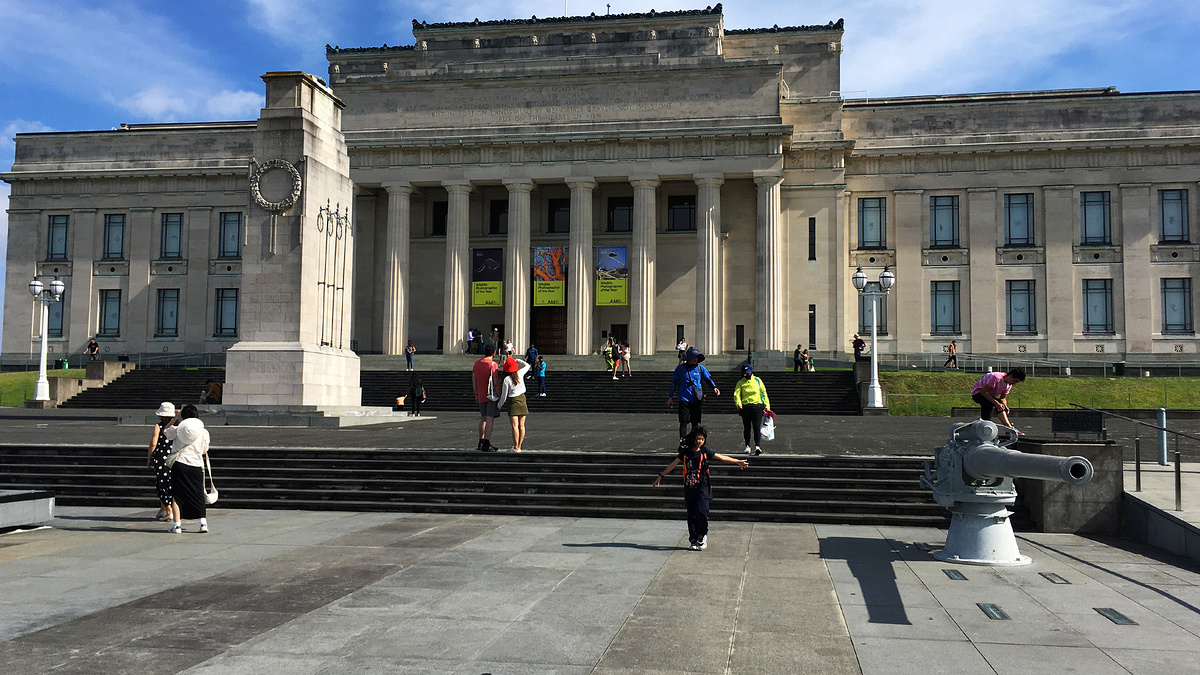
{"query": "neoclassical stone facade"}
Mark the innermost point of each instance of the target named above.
(744, 189)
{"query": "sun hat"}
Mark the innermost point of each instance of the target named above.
(167, 409)
(693, 353)
(510, 366)
(747, 369)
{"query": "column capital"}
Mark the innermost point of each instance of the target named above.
(767, 179)
(581, 183)
(644, 182)
(709, 180)
(518, 185)
(457, 186)
(398, 188)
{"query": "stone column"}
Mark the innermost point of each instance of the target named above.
(1061, 225)
(395, 301)
(458, 268)
(643, 285)
(579, 271)
(769, 303)
(1140, 280)
(517, 264)
(984, 294)
(708, 263)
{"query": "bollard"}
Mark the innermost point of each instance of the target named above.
(1178, 483)
(1162, 437)
(1137, 463)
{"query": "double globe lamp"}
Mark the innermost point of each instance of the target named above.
(41, 391)
(877, 292)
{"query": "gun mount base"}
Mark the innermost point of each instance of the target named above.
(981, 534)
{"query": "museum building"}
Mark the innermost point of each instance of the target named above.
(645, 176)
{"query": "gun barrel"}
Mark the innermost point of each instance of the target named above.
(991, 461)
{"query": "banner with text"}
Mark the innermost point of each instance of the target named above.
(487, 277)
(612, 275)
(549, 276)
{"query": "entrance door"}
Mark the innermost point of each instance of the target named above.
(619, 332)
(550, 329)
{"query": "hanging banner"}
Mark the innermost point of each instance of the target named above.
(612, 275)
(487, 277)
(549, 276)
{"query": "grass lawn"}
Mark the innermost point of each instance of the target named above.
(15, 388)
(921, 393)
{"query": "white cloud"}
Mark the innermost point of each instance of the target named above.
(11, 129)
(302, 24)
(134, 61)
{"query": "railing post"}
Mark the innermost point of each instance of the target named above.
(1137, 463)
(1162, 437)
(1178, 480)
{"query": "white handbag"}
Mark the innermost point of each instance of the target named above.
(210, 490)
(767, 431)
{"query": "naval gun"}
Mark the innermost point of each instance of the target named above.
(973, 477)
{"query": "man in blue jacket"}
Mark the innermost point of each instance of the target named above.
(689, 381)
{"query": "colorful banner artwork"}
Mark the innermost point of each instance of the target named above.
(549, 276)
(612, 275)
(487, 277)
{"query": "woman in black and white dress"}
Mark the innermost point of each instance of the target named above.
(187, 473)
(156, 458)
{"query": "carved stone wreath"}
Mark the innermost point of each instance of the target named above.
(287, 202)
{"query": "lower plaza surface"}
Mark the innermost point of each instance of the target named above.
(109, 591)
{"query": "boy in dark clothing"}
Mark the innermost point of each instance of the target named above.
(697, 485)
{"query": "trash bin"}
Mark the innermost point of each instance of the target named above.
(1119, 369)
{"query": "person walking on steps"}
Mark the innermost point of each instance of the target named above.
(953, 358)
(625, 354)
(187, 469)
(991, 393)
(156, 458)
(540, 370)
(859, 345)
(415, 395)
(483, 379)
(688, 381)
(697, 484)
(796, 359)
(614, 351)
(750, 397)
(512, 392)
(531, 355)
(409, 350)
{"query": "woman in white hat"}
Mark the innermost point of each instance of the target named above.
(156, 458)
(187, 472)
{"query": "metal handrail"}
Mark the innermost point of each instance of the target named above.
(1130, 419)
(1137, 452)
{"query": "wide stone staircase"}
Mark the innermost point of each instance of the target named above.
(861, 490)
(820, 393)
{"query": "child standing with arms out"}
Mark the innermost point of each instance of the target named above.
(697, 486)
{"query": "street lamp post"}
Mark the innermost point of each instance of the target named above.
(877, 292)
(41, 391)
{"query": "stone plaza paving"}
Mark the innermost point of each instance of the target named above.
(109, 591)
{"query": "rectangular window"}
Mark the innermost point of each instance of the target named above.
(498, 217)
(872, 222)
(943, 221)
(739, 336)
(1177, 306)
(678, 332)
(812, 326)
(1097, 227)
(56, 238)
(172, 236)
(167, 322)
(110, 313)
(114, 236)
(620, 214)
(681, 212)
(558, 215)
(439, 215)
(1097, 306)
(230, 236)
(1018, 220)
(1173, 215)
(812, 238)
(944, 319)
(864, 312)
(54, 321)
(1022, 310)
(226, 324)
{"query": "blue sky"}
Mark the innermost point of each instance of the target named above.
(75, 64)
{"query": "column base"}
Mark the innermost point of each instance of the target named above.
(291, 373)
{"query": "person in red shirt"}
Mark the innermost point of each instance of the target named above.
(483, 377)
(991, 393)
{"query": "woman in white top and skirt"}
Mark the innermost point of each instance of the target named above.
(512, 391)
(187, 473)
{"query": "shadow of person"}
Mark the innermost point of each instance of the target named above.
(871, 562)
(621, 544)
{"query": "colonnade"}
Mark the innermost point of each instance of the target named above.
(580, 284)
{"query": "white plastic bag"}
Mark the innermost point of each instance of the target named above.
(768, 429)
